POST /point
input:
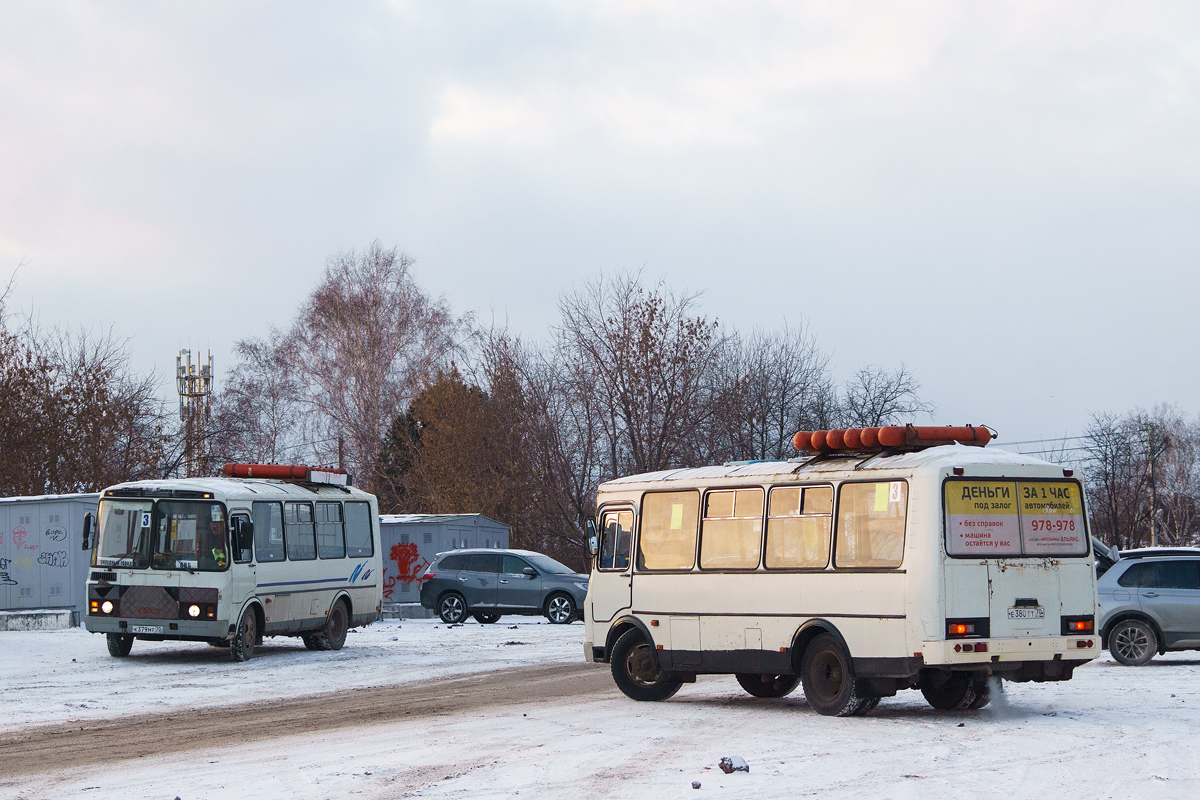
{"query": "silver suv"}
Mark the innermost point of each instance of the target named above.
(1150, 603)
(488, 583)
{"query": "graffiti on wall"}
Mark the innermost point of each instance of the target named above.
(56, 534)
(4, 579)
(409, 568)
(56, 559)
(19, 537)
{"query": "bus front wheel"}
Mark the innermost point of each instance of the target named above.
(119, 644)
(828, 677)
(241, 644)
(636, 672)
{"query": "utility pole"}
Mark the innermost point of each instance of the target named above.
(1153, 452)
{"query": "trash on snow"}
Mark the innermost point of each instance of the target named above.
(731, 764)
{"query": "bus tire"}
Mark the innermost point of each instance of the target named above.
(452, 608)
(828, 677)
(767, 685)
(956, 694)
(119, 644)
(336, 625)
(983, 693)
(241, 644)
(635, 669)
(560, 609)
(486, 619)
(1133, 642)
(310, 641)
(865, 706)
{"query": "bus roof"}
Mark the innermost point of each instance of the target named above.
(245, 488)
(933, 458)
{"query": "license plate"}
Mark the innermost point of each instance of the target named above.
(1027, 612)
(146, 628)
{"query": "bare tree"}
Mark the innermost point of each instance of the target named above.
(1117, 480)
(647, 359)
(876, 396)
(257, 415)
(362, 346)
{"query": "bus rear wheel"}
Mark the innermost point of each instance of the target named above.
(336, 624)
(768, 685)
(636, 672)
(960, 693)
(119, 644)
(828, 677)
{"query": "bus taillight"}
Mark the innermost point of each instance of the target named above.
(1084, 623)
(971, 628)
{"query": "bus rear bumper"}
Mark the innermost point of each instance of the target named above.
(159, 628)
(999, 651)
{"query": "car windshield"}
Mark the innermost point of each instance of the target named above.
(124, 536)
(547, 564)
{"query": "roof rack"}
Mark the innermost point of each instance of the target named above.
(294, 473)
(891, 438)
(1150, 552)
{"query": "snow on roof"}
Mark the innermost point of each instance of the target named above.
(251, 485)
(409, 519)
(46, 497)
(951, 455)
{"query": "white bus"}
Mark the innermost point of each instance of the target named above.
(270, 550)
(859, 574)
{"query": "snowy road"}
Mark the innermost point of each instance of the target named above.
(1111, 732)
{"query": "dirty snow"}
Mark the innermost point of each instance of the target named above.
(57, 676)
(1111, 732)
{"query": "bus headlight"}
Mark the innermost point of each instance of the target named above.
(193, 611)
(107, 607)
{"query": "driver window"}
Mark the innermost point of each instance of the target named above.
(614, 540)
(514, 566)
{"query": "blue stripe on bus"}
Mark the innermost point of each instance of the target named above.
(295, 583)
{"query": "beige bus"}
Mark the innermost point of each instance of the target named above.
(856, 574)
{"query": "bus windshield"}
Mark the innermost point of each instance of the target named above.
(124, 536)
(171, 534)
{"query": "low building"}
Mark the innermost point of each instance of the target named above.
(410, 541)
(42, 562)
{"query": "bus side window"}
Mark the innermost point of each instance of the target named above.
(668, 539)
(358, 530)
(731, 533)
(331, 537)
(798, 527)
(268, 531)
(614, 540)
(870, 527)
(298, 525)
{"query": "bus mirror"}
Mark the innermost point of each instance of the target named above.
(593, 537)
(88, 520)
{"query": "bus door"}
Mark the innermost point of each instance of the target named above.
(243, 580)
(611, 586)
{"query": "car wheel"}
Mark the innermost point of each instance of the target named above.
(241, 645)
(452, 608)
(486, 619)
(119, 644)
(828, 678)
(636, 672)
(768, 685)
(560, 609)
(958, 693)
(1133, 642)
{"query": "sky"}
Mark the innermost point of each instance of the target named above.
(1005, 197)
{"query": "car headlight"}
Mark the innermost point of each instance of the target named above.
(106, 606)
(582, 587)
(193, 611)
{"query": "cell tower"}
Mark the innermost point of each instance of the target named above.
(195, 409)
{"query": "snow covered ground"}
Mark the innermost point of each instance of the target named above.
(1111, 732)
(57, 676)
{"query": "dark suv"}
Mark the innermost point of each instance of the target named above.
(489, 583)
(1150, 603)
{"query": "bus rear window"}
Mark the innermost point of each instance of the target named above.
(1010, 519)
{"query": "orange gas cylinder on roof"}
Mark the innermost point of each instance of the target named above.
(890, 437)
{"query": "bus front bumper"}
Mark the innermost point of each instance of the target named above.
(156, 628)
(1050, 648)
